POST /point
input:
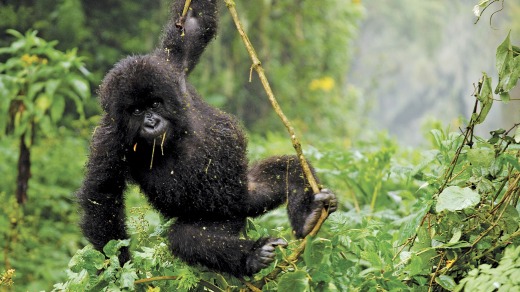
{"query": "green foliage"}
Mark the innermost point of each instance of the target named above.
(39, 238)
(508, 67)
(438, 220)
(442, 219)
(35, 83)
(475, 184)
(504, 277)
(455, 198)
(306, 59)
(85, 264)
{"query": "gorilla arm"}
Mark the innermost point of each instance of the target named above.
(185, 40)
(101, 195)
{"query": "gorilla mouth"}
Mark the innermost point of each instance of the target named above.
(150, 133)
(153, 131)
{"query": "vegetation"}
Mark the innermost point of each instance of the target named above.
(35, 83)
(441, 218)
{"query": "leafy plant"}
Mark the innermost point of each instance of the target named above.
(472, 187)
(35, 84)
(504, 277)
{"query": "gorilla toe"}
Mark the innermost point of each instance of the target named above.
(264, 255)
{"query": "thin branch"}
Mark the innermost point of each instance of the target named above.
(172, 278)
(180, 23)
(257, 66)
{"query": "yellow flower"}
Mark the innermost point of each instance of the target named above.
(31, 59)
(325, 83)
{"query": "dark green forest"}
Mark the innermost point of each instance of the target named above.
(409, 111)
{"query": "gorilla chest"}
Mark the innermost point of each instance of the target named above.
(206, 184)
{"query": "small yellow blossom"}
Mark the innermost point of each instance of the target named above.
(7, 278)
(31, 59)
(325, 83)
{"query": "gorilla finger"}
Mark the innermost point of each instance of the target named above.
(268, 248)
(323, 198)
(277, 242)
(333, 205)
(266, 260)
(266, 253)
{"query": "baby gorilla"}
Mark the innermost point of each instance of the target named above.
(188, 158)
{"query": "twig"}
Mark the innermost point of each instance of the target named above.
(180, 23)
(250, 285)
(257, 66)
(168, 278)
(153, 153)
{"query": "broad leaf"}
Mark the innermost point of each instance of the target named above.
(295, 281)
(456, 198)
(481, 156)
(317, 251)
(113, 246)
(446, 282)
(87, 259)
(486, 99)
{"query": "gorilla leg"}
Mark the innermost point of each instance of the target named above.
(278, 179)
(215, 244)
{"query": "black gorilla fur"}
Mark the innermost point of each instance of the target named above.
(188, 158)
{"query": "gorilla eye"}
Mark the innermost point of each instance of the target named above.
(156, 104)
(137, 112)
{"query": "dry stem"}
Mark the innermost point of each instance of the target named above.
(257, 66)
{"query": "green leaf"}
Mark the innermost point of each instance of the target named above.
(87, 259)
(508, 67)
(45, 126)
(42, 102)
(128, 276)
(79, 282)
(112, 247)
(513, 160)
(34, 89)
(455, 198)
(504, 55)
(51, 86)
(505, 97)
(15, 33)
(486, 99)
(297, 281)
(457, 234)
(412, 222)
(482, 157)
(187, 279)
(80, 86)
(57, 109)
(446, 282)
(317, 251)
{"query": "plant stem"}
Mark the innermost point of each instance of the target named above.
(257, 66)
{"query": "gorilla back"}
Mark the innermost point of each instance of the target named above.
(188, 158)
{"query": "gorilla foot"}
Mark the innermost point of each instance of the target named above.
(325, 199)
(263, 255)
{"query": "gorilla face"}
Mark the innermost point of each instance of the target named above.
(150, 121)
(141, 94)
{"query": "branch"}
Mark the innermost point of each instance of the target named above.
(172, 278)
(257, 66)
(180, 23)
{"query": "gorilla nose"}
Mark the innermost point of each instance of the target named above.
(150, 122)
